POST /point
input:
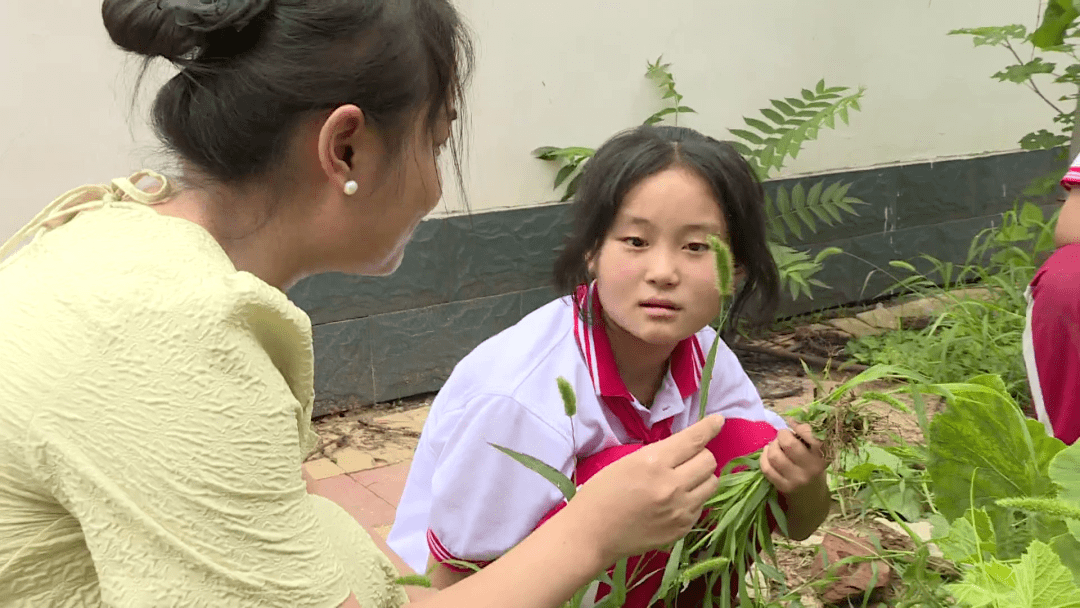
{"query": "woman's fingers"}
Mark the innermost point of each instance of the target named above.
(698, 469)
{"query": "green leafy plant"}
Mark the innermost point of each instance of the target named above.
(1010, 496)
(768, 142)
(1051, 58)
(975, 331)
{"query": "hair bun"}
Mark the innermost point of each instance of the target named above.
(173, 29)
(212, 15)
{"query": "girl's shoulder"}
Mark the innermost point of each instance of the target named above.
(516, 361)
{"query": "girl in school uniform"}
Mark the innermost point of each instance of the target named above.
(1052, 335)
(631, 337)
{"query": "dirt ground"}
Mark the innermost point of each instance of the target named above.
(782, 383)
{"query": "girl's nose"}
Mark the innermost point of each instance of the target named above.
(662, 269)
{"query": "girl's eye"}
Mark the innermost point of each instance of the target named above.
(698, 247)
(634, 241)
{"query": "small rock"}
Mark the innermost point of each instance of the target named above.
(923, 529)
(853, 578)
(856, 328)
(881, 317)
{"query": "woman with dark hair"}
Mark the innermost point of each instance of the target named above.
(157, 392)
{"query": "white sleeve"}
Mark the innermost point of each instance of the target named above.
(483, 502)
(733, 395)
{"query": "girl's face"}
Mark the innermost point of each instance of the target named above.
(655, 273)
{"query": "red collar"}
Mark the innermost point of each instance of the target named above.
(687, 361)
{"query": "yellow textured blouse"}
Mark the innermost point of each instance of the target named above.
(155, 408)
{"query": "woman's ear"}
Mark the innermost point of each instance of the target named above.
(339, 138)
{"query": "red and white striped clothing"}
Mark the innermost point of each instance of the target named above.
(1052, 336)
(464, 500)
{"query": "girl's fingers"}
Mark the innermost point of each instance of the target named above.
(806, 434)
(791, 444)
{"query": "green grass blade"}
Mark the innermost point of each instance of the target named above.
(544, 470)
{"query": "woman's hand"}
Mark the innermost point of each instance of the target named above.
(651, 497)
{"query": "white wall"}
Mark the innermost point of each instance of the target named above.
(565, 72)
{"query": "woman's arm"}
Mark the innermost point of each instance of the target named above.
(643, 501)
(1068, 226)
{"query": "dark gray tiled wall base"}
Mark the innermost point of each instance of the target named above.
(466, 278)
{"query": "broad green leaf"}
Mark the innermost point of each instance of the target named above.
(1064, 469)
(1023, 72)
(1042, 581)
(982, 446)
(1058, 17)
(1030, 215)
(1043, 140)
(993, 35)
(971, 538)
(546, 471)
(1067, 548)
(984, 584)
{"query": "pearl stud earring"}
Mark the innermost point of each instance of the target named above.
(351, 187)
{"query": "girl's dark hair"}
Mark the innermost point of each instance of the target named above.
(632, 156)
(251, 70)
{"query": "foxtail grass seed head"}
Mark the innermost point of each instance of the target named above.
(725, 265)
(568, 398)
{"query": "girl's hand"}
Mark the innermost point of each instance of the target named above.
(651, 497)
(794, 460)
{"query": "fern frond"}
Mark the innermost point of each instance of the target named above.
(791, 212)
(791, 122)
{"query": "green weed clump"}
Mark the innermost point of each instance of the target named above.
(973, 334)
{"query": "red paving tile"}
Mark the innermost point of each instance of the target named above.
(387, 482)
(363, 504)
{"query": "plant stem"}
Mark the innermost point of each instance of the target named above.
(1030, 80)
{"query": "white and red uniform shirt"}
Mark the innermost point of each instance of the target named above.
(1051, 339)
(464, 500)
